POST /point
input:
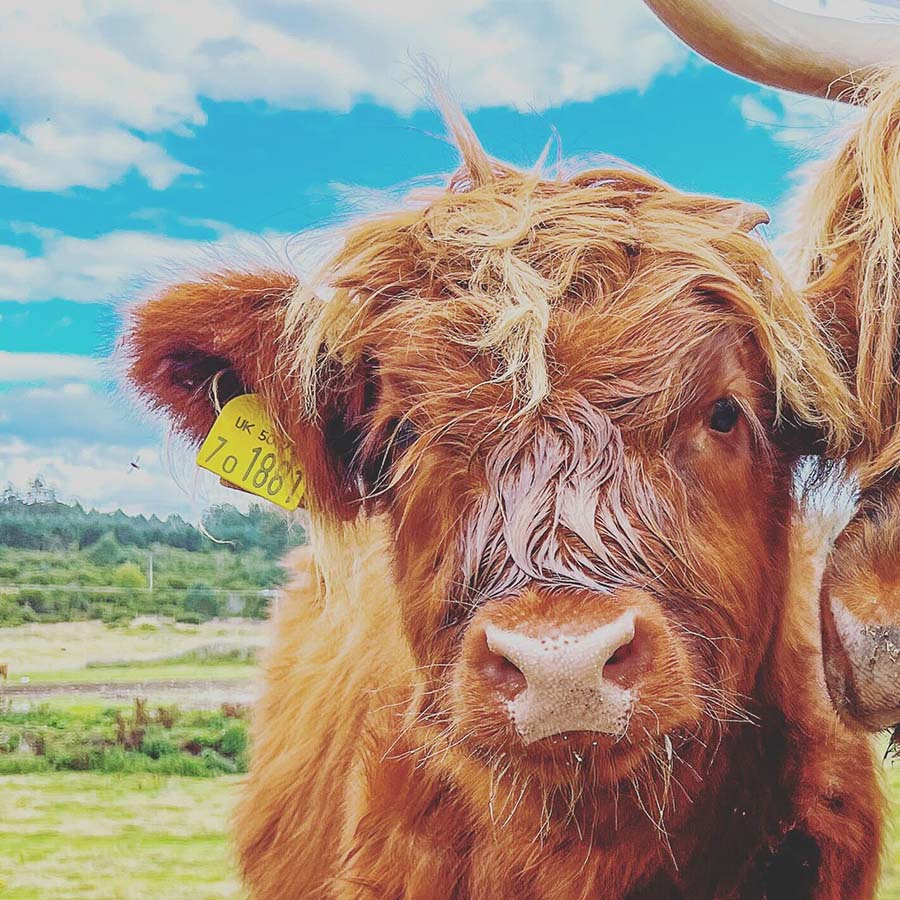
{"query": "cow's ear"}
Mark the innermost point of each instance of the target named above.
(735, 214)
(199, 344)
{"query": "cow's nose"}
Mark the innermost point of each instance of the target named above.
(554, 681)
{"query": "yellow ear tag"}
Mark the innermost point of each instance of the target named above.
(240, 448)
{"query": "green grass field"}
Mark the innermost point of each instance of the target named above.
(68, 836)
(890, 881)
(86, 836)
(139, 672)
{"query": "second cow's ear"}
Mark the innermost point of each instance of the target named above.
(199, 344)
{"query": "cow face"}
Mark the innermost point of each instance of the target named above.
(577, 404)
(861, 614)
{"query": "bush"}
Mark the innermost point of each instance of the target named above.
(116, 615)
(233, 741)
(106, 551)
(163, 741)
(217, 763)
(10, 612)
(23, 764)
(9, 743)
(129, 575)
(36, 599)
(115, 760)
(156, 744)
(256, 607)
(167, 716)
(188, 618)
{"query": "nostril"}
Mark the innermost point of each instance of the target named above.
(505, 676)
(629, 660)
(499, 671)
(621, 655)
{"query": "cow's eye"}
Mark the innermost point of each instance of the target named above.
(724, 416)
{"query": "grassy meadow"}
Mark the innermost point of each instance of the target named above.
(131, 801)
(98, 813)
(74, 836)
(890, 881)
(123, 722)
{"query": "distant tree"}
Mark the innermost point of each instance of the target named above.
(106, 551)
(39, 491)
(58, 547)
(90, 534)
(129, 575)
(261, 526)
(36, 519)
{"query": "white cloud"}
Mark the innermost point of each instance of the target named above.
(46, 367)
(87, 84)
(83, 440)
(860, 10)
(69, 408)
(807, 124)
(116, 264)
(101, 475)
(46, 157)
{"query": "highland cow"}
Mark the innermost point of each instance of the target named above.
(556, 635)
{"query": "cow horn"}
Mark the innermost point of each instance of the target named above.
(771, 44)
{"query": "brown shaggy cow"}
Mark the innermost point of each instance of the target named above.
(556, 635)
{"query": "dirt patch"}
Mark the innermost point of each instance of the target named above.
(191, 694)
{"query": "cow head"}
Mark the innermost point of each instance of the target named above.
(577, 405)
(850, 244)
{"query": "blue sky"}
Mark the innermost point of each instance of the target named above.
(138, 138)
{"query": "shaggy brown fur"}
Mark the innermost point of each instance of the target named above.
(507, 399)
(851, 257)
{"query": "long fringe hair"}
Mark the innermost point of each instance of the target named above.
(489, 257)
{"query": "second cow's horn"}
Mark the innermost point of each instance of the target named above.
(771, 44)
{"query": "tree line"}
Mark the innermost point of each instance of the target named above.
(34, 518)
(62, 562)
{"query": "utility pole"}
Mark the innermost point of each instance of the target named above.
(150, 574)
